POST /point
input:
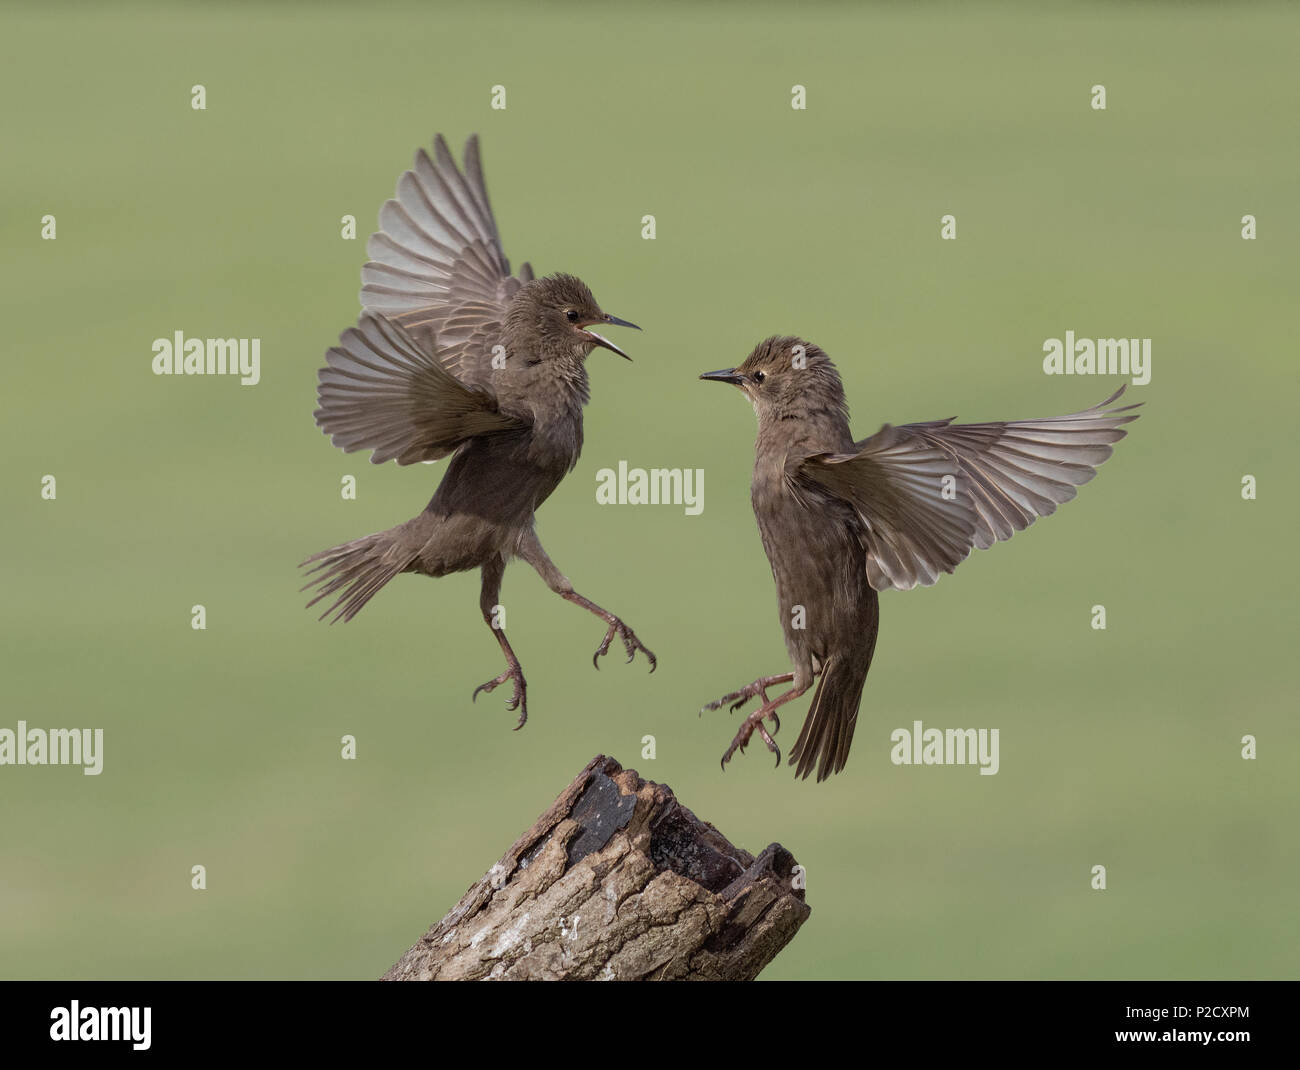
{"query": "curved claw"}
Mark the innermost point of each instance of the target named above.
(654, 662)
(751, 724)
(630, 643)
(740, 697)
(519, 697)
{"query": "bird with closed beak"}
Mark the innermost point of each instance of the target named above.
(455, 356)
(842, 520)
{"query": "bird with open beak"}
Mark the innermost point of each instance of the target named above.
(842, 520)
(455, 356)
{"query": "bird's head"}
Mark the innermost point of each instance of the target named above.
(786, 377)
(554, 316)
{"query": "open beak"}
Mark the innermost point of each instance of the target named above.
(726, 375)
(601, 340)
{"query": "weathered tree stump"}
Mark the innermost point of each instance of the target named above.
(617, 881)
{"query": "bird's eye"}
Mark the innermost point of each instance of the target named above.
(759, 377)
(573, 315)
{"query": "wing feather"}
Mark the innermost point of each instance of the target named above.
(1004, 476)
(437, 263)
(385, 390)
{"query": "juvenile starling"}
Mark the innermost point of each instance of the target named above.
(455, 356)
(841, 520)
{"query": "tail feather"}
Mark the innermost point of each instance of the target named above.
(358, 569)
(827, 731)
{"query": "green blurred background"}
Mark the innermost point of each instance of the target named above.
(1118, 748)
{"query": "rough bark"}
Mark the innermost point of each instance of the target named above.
(617, 881)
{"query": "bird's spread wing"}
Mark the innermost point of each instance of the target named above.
(895, 482)
(1005, 476)
(385, 390)
(436, 262)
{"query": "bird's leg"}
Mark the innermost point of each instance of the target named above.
(489, 605)
(754, 723)
(758, 687)
(530, 549)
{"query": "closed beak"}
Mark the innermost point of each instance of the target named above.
(726, 375)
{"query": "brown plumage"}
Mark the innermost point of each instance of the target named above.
(842, 520)
(455, 356)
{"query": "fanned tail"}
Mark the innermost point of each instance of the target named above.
(357, 569)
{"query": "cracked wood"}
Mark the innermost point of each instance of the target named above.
(616, 881)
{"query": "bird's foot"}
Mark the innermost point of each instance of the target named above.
(519, 700)
(749, 691)
(630, 643)
(751, 724)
